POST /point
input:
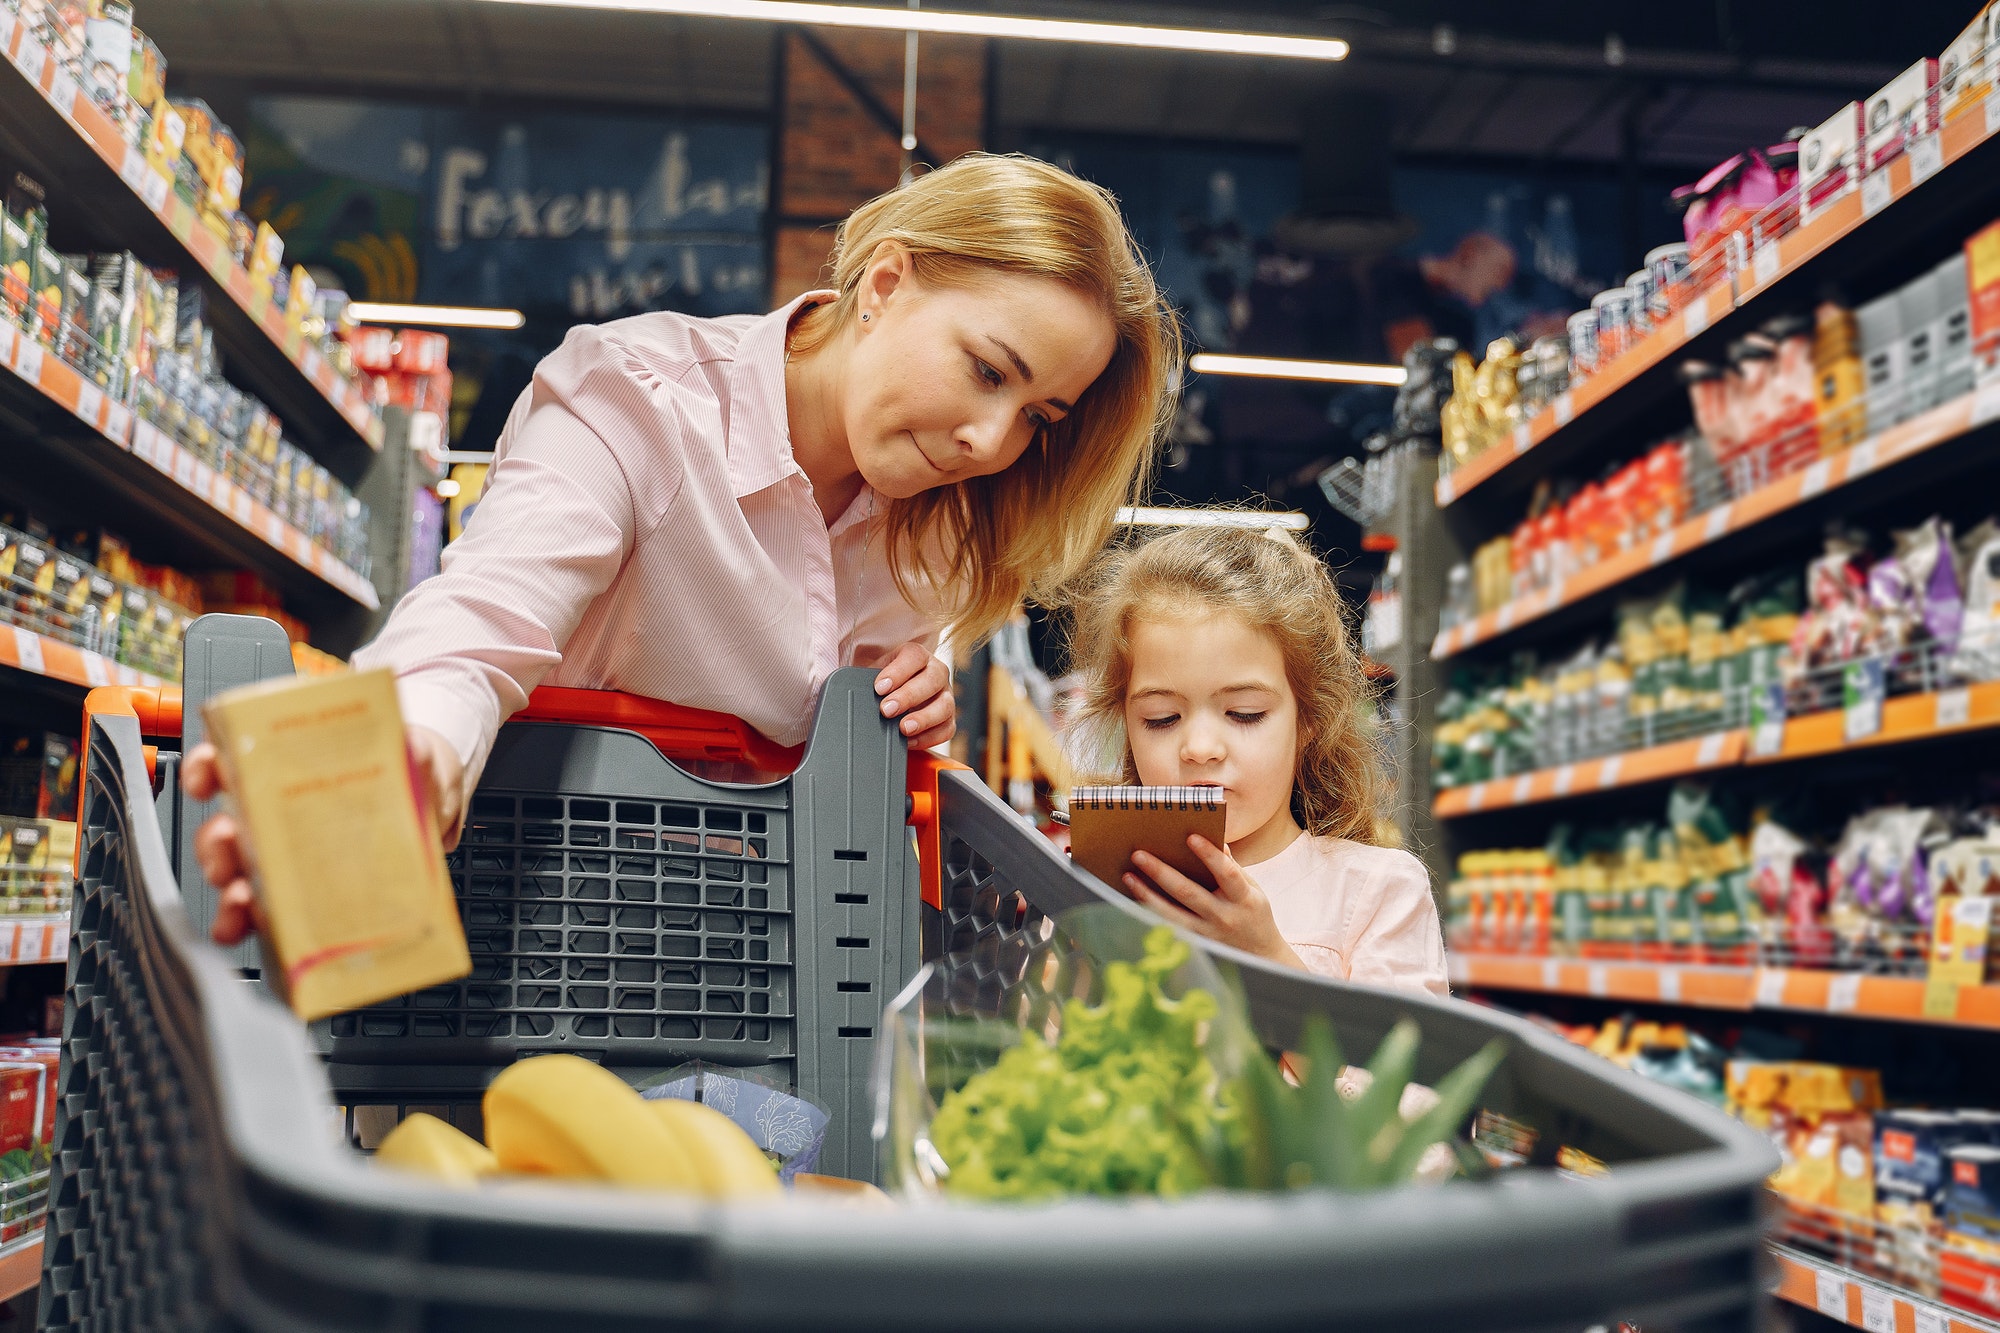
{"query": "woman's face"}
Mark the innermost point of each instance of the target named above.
(949, 383)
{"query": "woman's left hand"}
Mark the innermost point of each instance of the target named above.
(917, 688)
(1235, 912)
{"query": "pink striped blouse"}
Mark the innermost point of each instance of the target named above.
(645, 528)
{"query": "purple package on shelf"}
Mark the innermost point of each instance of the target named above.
(789, 1128)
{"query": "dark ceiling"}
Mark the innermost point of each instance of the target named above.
(1543, 82)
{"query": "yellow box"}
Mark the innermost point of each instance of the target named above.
(355, 903)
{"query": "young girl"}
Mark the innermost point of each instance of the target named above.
(1219, 657)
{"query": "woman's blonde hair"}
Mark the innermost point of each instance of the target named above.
(1340, 783)
(984, 544)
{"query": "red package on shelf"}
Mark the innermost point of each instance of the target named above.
(23, 1093)
(374, 348)
(48, 1057)
(421, 353)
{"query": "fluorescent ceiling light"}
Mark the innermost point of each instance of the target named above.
(1275, 368)
(976, 25)
(1148, 517)
(436, 316)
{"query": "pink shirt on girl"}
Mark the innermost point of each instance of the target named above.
(1357, 913)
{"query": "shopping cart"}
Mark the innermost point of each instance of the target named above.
(205, 1176)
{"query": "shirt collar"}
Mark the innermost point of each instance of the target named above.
(758, 439)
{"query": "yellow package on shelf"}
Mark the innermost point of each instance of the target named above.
(354, 900)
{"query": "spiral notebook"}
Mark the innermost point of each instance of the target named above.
(1108, 824)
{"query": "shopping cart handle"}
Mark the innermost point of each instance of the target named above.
(679, 733)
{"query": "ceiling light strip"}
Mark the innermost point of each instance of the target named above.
(1157, 517)
(1215, 42)
(436, 316)
(1278, 368)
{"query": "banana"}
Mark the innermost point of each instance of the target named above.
(731, 1165)
(560, 1115)
(427, 1146)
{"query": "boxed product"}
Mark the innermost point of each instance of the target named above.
(1830, 161)
(1953, 339)
(1917, 307)
(1883, 349)
(48, 1055)
(1965, 72)
(1972, 1191)
(350, 877)
(23, 1091)
(1911, 1149)
(1905, 109)
(1982, 275)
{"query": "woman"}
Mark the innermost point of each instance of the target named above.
(720, 512)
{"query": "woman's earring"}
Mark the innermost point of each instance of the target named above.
(864, 319)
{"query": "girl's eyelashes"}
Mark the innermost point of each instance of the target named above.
(1160, 723)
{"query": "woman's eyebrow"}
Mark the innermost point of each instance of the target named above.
(1027, 374)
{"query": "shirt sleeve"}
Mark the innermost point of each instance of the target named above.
(1400, 944)
(556, 521)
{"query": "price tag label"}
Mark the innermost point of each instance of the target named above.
(8, 336)
(274, 530)
(1926, 159)
(59, 940)
(204, 481)
(89, 403)
(1552, 974)
(34, 937)
(1830, 1294)
(1954, 708)
(118, 423)
(240, 505)
(1565, 409)
(1475, 799)
(1863, 685)
(1771, 988)
(1607, 772)
(28, 360)
(1716, 523)
(1663, 548)
(1861, 458)
(9, 936)
(28, 650)
(145, 440)
(1843, 993)
(133, 169)
(1710, 752)
(1524, 787)
(94, 669)
(1815, 479)
(1523, 438)
(155, 190)
(1929, 1320)
(62, 92)
(1986, 403)
(8, 24)
(1503, 620)
(1875, 193)
(1597, 980)
(1992, 126)
(126, 675)
(1764, 263)
(1565, 779)
(32, 59)
(1670, 985)
(184, 467)
(313, 364)
(1694, 319)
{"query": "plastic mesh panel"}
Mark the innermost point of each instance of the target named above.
(992, 934)
(603, 918)
(117, 1250)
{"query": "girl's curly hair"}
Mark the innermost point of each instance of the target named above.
(1340, 784)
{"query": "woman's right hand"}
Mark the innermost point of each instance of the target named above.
(433, 764)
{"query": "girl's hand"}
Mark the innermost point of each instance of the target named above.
(1235, 913)
(434, 765)
(917, 684)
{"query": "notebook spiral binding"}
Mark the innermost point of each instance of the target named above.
(1146, 798)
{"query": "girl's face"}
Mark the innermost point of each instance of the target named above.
(950, 383)
(1210, 705)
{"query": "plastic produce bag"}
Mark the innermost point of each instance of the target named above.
(788, 1128)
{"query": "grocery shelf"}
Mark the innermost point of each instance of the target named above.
(1946, 424)
(21, 1267)
(33, 939)
(52, 400)
(105, 188)
(1738, 989)
(1912, 717)
(1613, 399)
(52, 659)
(1718, 749)
(1862, 1302)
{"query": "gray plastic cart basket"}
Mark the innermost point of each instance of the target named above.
(204, 1179)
